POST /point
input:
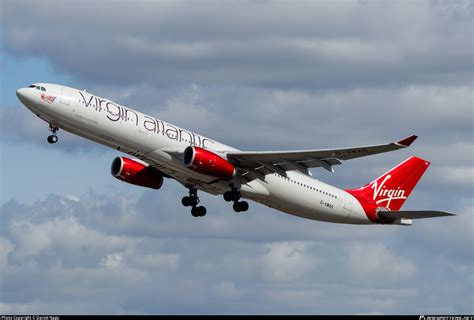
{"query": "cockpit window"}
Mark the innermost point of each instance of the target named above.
(37, 87)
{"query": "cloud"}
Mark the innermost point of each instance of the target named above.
(100, 252)
(374, 260)
(287, 261)
(456, 175)
(5, 248)
(112, 261)
(259, 43)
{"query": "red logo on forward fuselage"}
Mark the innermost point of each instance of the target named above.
(48, 99)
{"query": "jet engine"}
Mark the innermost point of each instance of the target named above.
(206, 162)
(136, 173)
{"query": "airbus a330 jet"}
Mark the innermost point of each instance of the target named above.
(278, 179)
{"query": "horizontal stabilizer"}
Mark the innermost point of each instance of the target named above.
(413, 214)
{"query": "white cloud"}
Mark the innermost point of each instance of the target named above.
(455, 175)
(274, 43)
(287, 261)
(112, 261)
(5, 248)
(228, 290)
(183, 261)
(65, 233)
(165, 261)
(188, 110)
(378, 263)
(71, 197)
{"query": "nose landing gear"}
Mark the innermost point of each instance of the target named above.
(53, 138)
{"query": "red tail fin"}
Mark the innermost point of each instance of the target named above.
(392, 188)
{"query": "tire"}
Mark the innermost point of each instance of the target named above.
(185, 201)
(193, 201)
(244, 206)
(195, 212)
(52, 139)
(228, 196)
(231, 196)
(236, 206)
(202, 211)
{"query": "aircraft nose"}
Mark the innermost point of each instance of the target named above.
(21, 94)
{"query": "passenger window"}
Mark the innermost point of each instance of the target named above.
(38, 87)
(43, 89)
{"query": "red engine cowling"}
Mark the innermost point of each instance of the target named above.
(137, 173)
(208, 163)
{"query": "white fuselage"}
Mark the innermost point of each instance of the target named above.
(155, 141)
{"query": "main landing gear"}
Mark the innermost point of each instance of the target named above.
(53, 138)
(234, 195)
(192, 201)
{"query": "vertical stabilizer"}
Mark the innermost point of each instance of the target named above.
(392, 188)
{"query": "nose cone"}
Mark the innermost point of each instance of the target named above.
(22, 95)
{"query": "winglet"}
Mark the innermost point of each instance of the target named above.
(407, 141)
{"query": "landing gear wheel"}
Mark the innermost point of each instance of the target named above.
(236, 207)
(244, 206)
(53, 138)
(202, 211)
(233, 195)
(198, 211)
(185, 201)
(190, 201)
(240, 206)
(194, 201)
(228, 196)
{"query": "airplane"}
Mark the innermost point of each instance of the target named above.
(278, 179)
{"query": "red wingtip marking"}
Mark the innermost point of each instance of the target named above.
(407, 141)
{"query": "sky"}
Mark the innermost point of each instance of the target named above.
(256, 75)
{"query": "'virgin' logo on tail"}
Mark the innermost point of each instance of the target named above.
(387, 194)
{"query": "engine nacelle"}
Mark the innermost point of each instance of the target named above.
(136, 173)
(208, 163)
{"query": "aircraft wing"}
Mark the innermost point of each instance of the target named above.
(259, 163)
